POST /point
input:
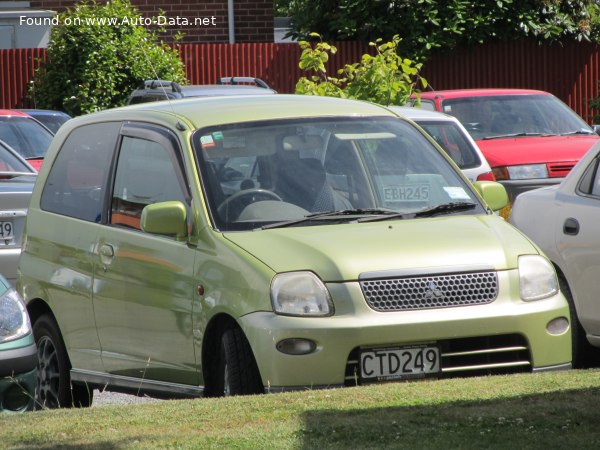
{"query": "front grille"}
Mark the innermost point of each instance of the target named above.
(475, 356)
(438, 291)
(559, 170)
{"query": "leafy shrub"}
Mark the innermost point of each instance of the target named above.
(384, 77)
(93, 64)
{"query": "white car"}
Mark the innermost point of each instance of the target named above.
(449, 133)
(563, 220)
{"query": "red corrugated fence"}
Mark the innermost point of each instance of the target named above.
(570, 70)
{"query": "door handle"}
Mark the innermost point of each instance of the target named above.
(571, 226)
(107, 252)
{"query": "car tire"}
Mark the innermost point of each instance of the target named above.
(54, 388)
(583, 352)
(237, 372)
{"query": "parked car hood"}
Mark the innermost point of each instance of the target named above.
(344, 252)
(530, 150)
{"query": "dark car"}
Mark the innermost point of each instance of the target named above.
(155, 90)
(51, 119)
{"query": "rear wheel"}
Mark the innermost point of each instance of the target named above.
(54, 389)
(237, 372)
(584, 354)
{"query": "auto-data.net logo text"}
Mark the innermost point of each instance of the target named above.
(119, 21)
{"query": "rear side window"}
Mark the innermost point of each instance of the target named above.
(77, 180)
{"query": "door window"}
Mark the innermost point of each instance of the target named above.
(146, 174)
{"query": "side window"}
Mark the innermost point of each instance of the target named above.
(590, 182)
(76, 183)
(146, 173)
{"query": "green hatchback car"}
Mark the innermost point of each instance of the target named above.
(241, 245)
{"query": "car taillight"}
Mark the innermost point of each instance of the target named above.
(487, 176)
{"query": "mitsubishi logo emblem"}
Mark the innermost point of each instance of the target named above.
(433, 291)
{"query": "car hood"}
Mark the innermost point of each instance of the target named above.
(344, 252)
(531, 150)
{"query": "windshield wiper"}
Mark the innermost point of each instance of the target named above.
(582, 131)
(428, 212)
(503, 136)
(321, 215)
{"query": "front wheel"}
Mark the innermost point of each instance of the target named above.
(54, 388)
(237, 372)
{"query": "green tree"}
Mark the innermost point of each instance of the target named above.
(93, 64)
(426, 25)
(384, 77)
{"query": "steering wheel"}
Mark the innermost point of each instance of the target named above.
(223, 208)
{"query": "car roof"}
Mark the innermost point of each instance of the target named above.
(13, 112)
(207, 111)
(461, 93)
(45, 112)
(416, 113)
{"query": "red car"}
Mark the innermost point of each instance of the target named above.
(530, 138)
(25, 135)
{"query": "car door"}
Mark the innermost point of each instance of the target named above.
(143, 283)
(578, 241)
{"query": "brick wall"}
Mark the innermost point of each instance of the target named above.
(253, 18)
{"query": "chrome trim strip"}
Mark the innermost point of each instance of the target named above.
(135, 385)
(419, 271)
(486, 351)
(486, 366)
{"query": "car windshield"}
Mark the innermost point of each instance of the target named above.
(329, 170)
(29, 138)
(490, 117)
(453, 141)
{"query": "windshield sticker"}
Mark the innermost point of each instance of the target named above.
(457, 193)
(207, 141)
(218, 136)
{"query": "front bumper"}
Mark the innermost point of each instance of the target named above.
(356, 326)
(18, 378)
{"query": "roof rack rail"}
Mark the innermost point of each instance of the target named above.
(160, 84)
(241, 80)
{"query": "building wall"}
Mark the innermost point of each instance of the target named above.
(253, 18)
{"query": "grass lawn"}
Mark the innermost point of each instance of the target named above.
(545, 411)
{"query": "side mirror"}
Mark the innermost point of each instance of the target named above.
(596, 129)
(493, 193)
(165, 218)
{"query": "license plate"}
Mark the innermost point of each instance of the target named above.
(6, 230)
(407, 193)
(399, 362)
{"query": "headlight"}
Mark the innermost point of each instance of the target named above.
(537, 278)
(14, 320)
(300, 294)
(525, 172)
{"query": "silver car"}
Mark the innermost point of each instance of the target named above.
(564, 221)
(17, 178)
(452, 136)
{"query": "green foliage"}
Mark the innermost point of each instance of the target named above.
(383, 78)
(426, 25)
(93, 65)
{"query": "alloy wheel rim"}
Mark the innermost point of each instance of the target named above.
(48, 374)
